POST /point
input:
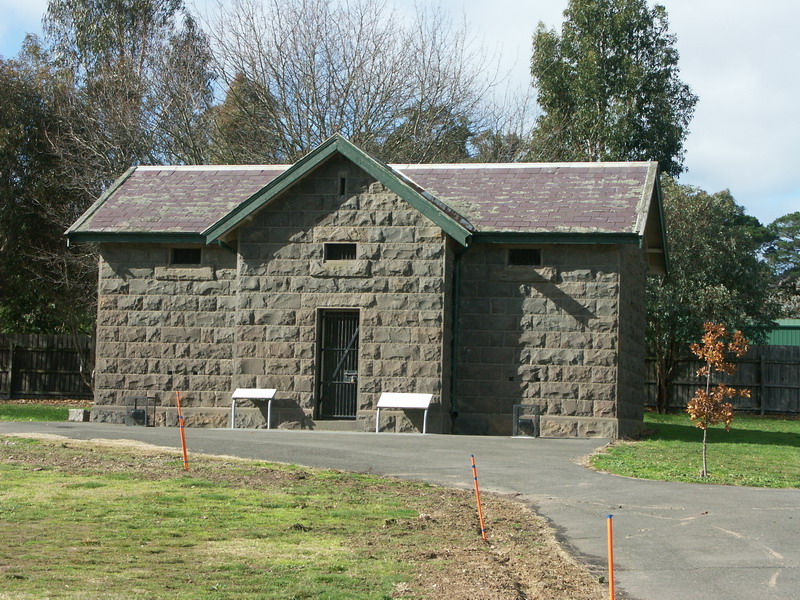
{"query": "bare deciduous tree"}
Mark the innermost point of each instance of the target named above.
(298, 71)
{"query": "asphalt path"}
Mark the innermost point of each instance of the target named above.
(672, 541)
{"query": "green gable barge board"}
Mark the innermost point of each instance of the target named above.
(651, 194)
(424, 203)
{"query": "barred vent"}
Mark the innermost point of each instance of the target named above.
(340, 251)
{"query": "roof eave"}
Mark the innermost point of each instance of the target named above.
(72, 232)
(663, 223)
(553, 237)
(650, 200)
(129, 237)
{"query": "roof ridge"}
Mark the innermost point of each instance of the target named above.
(519, 165)
(209, 167)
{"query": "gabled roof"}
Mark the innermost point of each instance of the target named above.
(503, 203)
(450, 221)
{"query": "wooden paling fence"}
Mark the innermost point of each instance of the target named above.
(41, 365)
(771, 373)
(38, 365)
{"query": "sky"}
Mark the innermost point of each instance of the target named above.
(742, 58)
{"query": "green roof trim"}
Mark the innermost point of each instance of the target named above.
(338, 144)
(517, 237)
(97, 237)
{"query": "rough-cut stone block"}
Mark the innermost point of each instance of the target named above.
(599, 427)
(576, 275)
(550, 426)
(78, 415)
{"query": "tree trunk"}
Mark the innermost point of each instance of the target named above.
(662, 398)
(704, 471)
(663, 386)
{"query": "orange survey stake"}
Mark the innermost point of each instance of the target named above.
(610, 557)
(478, 498)
(183, 434)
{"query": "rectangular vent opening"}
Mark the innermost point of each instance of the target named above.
(186, 256)
(340, 251)
(524, 257)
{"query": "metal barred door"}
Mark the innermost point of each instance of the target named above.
(338, 383)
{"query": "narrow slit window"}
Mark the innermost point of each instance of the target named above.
(186, 256)
(342, 185)
(340, 252)
(524, 257)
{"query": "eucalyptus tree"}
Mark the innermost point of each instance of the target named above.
(609, 87)
(130, 81)
(110, 84)
(782, 254)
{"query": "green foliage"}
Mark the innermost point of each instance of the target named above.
(37, 271)
(110, 85)
(760, 452)
(715, 275)
(429, 134)
(498, 147)
(609, 86)
(93, 35)
(782, 253)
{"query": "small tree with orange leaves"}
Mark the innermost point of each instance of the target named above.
(711, 406)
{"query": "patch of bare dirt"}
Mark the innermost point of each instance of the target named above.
(521, 561)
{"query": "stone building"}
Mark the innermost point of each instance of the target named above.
(339, 277)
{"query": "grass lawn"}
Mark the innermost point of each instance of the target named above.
(33, 412)
(757, 451)
(102, 520)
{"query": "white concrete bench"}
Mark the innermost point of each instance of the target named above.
(400, 400)
(252, 394)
